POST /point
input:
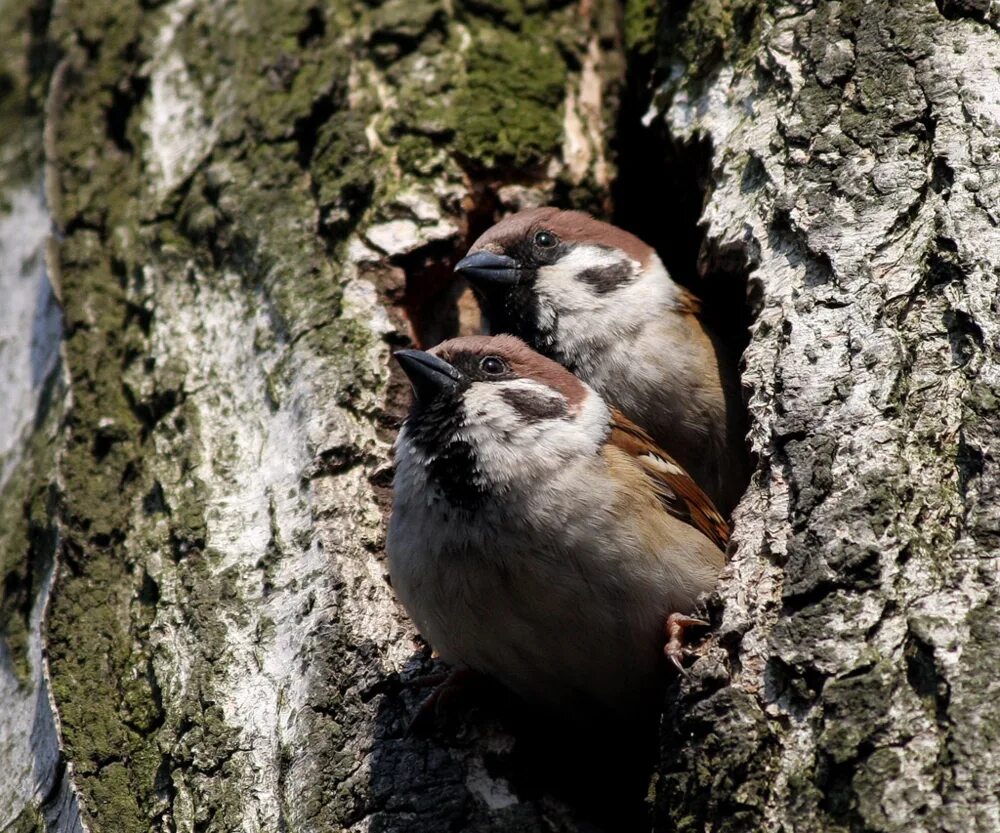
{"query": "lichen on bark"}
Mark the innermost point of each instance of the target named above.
(257, 201)
(847, 172)
(239, 189)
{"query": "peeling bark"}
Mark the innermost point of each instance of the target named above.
(255, 202)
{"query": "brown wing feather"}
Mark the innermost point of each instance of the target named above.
(678, 493)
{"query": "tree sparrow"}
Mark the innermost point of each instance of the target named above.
(599, 301)
(537, 535)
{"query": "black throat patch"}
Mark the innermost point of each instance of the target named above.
(452, 464)
(516, 312)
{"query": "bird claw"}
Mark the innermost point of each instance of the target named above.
(449, 687)
(675, 628)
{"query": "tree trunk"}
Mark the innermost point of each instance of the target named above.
(853, 178)
(255, 202)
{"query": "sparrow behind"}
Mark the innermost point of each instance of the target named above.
(536, 535)
(599, 301)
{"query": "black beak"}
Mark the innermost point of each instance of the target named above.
(428, 374)
(488, 269)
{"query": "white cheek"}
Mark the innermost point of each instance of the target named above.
(593, 419)
(546, 316)
(560, 285)
(584, 317)
(511, 449)
(490, 420)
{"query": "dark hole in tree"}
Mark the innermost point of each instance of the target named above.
(438, 303)
(659, 195)
(955, 9)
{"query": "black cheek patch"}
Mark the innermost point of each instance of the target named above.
(607, 278)
(534, 407)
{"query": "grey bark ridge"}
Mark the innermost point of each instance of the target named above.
(854, 166)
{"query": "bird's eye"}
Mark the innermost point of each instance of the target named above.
(545, 239)
(493, 365)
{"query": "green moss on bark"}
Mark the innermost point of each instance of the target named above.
(27, 533)
(508, 111)
(486, 86)
(710, 32)
(97, 634)
(25, 65)
(642, 19)
(101, 685)
(29, 821)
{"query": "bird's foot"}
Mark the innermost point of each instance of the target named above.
(450, 688)
(675, 628)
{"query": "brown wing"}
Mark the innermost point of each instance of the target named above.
(678, 493)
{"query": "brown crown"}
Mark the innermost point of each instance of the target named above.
(569, 226)
(524, 362)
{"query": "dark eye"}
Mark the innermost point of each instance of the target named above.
(545, 239)
(493, 365)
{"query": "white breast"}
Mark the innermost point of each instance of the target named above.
(566, 615)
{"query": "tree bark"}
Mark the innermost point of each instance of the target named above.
(853, 179)
(254, 203)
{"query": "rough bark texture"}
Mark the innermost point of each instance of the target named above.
(853, 177)
(255, 201)
(247, 197)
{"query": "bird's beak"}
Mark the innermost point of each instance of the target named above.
(429, 375)
(488, 269)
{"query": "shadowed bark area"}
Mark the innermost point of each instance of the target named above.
(255, 202)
